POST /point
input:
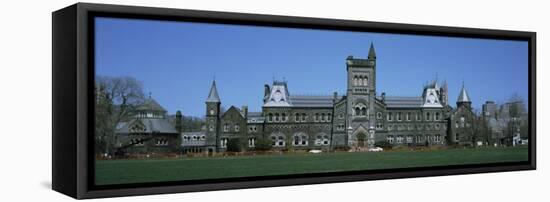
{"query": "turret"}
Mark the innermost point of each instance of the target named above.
(464, 99)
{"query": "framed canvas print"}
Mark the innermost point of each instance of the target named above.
(154, 100)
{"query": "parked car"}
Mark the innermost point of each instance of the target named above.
(315, 151)
(376, 149)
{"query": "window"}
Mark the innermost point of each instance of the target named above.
(322, 117)
(316, 118)
(379, 115)
(399, 139)
(211, 127)
(252, 128)
(251, 142)
(456, 124)
(326, 141)
(409, 138)
(437, 116)
(398, 116)
(419, 139)
(297, 117)
(462, 120)
(270, 117)
(237, 127)
(195, 137)
(390, 127)
(341, 116)
(300, 140)
(304, 117)
(329, 117)
(437, 126)
(184, 138)
(223, 142)
(390, 139)
(408, 116)
(457, 137)
(340, 127)
(283, 117)
(379, 126)
(427, 116)
(276, 117)
(322, 139)
(389, 116)
(161, 142)
(225, 127)
(278, 140)
(203, 137)
(417, 116)
(437, 138)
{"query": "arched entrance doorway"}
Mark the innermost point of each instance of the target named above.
(361, 139)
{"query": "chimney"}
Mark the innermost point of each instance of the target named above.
(383, 97)
(245, 111)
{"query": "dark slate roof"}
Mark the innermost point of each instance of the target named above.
(463, 96)
(155, 125)
(213, 95)
(255, 117)
(372, 53)
(151, 105)
(312, 100)
(403, 102)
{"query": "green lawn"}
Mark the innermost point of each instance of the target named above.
(136, 171)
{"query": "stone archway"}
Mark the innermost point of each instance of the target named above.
(361, 139)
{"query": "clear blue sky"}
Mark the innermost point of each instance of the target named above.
(177, 61)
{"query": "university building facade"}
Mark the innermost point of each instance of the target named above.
(357, 120)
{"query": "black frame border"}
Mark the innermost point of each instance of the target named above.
(73, 95)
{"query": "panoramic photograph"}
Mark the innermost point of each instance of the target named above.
(179, 101)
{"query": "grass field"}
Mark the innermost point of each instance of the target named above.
(148, 170)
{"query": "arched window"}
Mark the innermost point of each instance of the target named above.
(427, 116)
(329, 117)
(363, 111)
(237, 127)
(276, 117)
(304, 116)
(297, 117)
(300, 139)
(379, 115)
(225, 127)
(283, 117)
(322, 117)
(270, 117)
(365, 81)
(437, 116)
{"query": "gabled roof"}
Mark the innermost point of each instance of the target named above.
(151, 125)
(463, 96)
(213, 95)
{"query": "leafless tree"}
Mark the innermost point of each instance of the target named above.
(116, 99)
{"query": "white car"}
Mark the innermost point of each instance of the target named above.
(315, 151)
(376, 149)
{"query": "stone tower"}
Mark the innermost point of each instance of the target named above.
(464, 99)
(361, 93)
(213, 103)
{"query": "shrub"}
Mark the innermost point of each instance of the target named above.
(234, 145)
(263, 144)
(383, 144)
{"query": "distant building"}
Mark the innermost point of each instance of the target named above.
(505, 122)
(149, 130)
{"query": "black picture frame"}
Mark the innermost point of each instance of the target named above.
(73, 95)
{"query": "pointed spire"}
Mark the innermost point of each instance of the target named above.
(463, 96)
(213, 95)
(372, 53)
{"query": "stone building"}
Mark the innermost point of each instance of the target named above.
(149, 130)
(359, 119)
